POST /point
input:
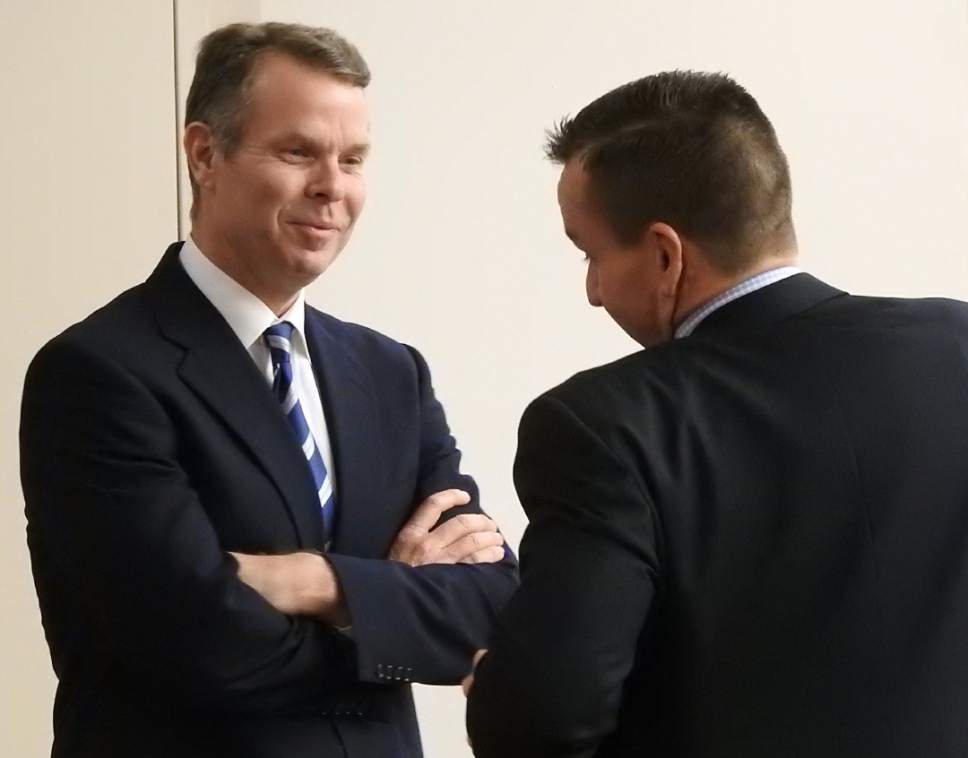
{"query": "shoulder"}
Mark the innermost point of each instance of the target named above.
(930, 308)
(116, 333)
(600, 392)
(866, 311)
(365, 345)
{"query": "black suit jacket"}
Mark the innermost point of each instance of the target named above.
(750, 542)
(151, 445)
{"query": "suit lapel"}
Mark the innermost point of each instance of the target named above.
(220, 371)
(351, 417)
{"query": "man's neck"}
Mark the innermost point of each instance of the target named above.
(277, 301)
(707, 283)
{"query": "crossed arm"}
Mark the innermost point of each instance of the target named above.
(131, 574)
(432, 602)
(305, 584)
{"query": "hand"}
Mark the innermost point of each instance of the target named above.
(467, 538)
(468, 681)
(297, 584)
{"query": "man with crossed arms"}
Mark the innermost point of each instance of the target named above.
(220, 479)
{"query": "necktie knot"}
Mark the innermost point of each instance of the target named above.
(279, 338)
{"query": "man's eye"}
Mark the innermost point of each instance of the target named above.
(297, 152)
(353, 160)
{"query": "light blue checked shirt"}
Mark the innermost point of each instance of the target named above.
(745, 287)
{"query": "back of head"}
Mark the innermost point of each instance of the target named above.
(692, 150)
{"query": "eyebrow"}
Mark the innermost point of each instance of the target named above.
(358, 148)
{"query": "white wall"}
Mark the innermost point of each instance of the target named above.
(460, 250)
(87, 203)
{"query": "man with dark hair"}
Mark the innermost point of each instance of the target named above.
(221, 480)
(750, 538)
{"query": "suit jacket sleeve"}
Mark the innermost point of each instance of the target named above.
(552, 682)
(119, 539)
(424, 624)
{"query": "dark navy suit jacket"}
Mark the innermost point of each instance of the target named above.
(748, 543)
(151, 445)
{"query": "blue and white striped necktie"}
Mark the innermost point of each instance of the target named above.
(279, 338)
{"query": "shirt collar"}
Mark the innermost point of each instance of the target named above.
(747, 286)
(245, 313)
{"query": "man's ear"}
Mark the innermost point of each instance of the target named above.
(666, 244)
(200, 151)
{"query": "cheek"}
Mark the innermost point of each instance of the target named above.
(276, 186)
(254, 207)
(355, 199)
(628, 293)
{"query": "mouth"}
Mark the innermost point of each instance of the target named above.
(319, 226)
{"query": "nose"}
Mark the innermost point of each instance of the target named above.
(327, 181)
(591, 286)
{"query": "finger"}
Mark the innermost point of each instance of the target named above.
(415, 545)
(414, 550)
(466, 683)
(477, 658)
(433, 550)
(430, 510)
(459, 526)
(418, 543)
(461, 550)
(406, 544)
(423, 519)
(428, 551)
(487, 555)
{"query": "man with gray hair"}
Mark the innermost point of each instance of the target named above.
(247, 522)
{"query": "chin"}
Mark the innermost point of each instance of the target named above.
(312, 263)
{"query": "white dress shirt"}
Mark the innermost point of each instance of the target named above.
(249, 317)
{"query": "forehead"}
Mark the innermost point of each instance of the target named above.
(573, 183)
(286, 93)
(574, 191)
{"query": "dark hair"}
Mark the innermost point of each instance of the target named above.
(690, 149)
(226, 61)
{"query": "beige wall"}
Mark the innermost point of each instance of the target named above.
(459, 251)
(87, 203)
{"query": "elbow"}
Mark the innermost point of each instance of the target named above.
(512, 713)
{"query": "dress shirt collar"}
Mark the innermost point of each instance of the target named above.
(246, 314)
(756, 282)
